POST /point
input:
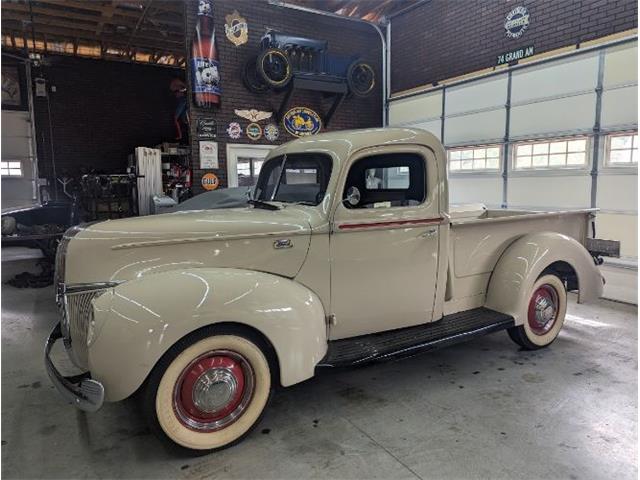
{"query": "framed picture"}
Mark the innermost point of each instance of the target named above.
(14, 93)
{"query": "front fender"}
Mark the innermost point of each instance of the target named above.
(524, 261)
(137, 322)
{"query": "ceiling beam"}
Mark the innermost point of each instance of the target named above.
(45, 25)
(105, 16)
(56, 34)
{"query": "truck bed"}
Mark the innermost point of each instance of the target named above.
(479, 236)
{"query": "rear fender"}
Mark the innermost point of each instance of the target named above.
(524, 261)
(138, 321)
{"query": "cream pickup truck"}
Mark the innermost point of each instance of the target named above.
(346, 253)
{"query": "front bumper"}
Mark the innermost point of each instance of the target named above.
(81, 390)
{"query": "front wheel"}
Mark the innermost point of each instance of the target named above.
(545, 314)
(274, 67)
(209, 390)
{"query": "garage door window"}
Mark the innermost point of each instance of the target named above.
(622, 150)
(474, 159)
(550, 154)
(393, 180)
(11, 169)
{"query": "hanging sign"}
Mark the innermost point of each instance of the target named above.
(271, 132)
(515, 55)
(253, 115)
(301, 122)
(516, 22)
(206, 128)
(254, 131)
(205, 68)
(208, 155)
(236, 29)
(234, 130)
(210, 181)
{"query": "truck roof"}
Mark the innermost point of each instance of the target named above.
(345, 142)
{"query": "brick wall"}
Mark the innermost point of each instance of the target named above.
(344, 37)
(443, 38)
(101, 111)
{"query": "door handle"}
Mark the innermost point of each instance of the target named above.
(430, 232)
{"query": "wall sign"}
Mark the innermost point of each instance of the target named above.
(253, 115)
(210, 181)
(254, 131)
(206, 128)
(516, 22)
(515, 55)
(236, 29)
(271, 132)
(208, 155)
(234, 130)
(302, 121)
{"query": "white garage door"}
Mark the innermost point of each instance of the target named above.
(553, 116)
(18, 160)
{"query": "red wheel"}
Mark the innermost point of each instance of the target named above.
(213, 391)
(544, 315)
(543, 309)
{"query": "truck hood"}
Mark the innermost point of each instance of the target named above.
(119, 250)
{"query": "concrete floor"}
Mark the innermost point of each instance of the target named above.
(477, 410)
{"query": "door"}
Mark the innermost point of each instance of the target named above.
(244, 163)
(384, 249)
(17, 166)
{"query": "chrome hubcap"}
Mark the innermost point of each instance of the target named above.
(214, 389)
(543, 309)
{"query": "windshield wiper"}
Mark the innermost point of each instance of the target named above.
(306, 202)
(261, 204)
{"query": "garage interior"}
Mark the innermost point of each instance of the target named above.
(100, 121)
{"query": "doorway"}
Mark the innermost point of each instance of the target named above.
(244, 163)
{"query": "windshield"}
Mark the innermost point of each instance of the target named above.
(304, 179)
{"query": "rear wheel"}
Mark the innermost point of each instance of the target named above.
(209, 390)
(361, 78)
(545, 314)
(251, 79)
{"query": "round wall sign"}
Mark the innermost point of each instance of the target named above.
(516, 22)
(302, 121)
(210, 181)
(271, 132)
(234, 130)
(254, 131)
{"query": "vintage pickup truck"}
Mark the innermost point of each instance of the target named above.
(347, 253)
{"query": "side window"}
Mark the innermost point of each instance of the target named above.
(391, 180)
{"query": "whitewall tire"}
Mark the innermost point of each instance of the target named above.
(209, 391)
(544, 314)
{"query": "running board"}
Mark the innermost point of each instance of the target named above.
(410, 341)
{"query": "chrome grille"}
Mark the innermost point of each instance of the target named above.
(58, 276)
(77, 313)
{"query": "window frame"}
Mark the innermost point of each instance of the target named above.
(425, 183)
(606, 164)
(8, 168)
(483, 171)
(562, 169)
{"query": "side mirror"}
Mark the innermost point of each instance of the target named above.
(353, 196)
